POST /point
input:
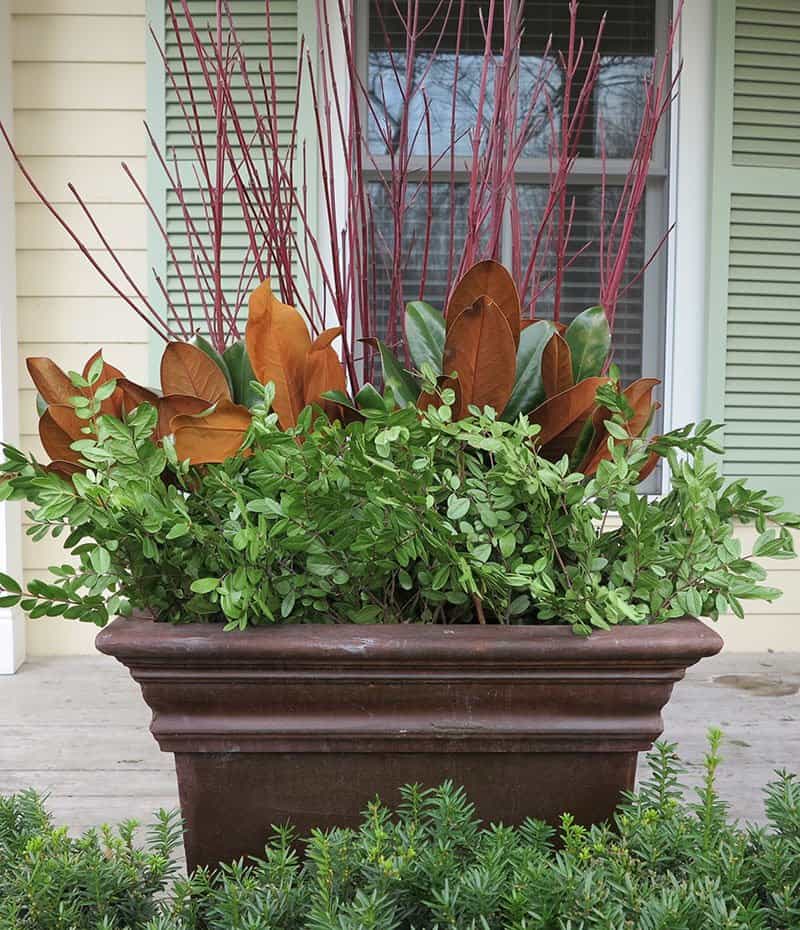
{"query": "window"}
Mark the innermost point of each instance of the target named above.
(632, 35)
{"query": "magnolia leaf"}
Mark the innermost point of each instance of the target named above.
(589, 339)
(64, 469)
(241, 374)
(51, 381)
(132, 394)
(205, 346)
(480, 348)
(324, 372)
(172, 405)
(66, 418)
(563, 411)
(556, 366)
(326, 338)
(403, 384)
(211, 437)
(368, 398)
(56, 441)
(650, 465)
(425, 334)
(277, 343)
(187, 370)
(487, 279)
(583, 443)
(528, 390)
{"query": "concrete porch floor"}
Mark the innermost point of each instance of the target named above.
(76, 728)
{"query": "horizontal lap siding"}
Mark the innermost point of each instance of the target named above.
(79, 104)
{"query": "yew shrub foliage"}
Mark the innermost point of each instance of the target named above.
(398, 517)
(664, 863)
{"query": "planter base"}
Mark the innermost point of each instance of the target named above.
(251, 790)
(308, 723)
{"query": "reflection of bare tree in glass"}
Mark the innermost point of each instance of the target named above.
(620, 96)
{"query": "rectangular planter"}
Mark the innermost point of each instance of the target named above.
(308, 723)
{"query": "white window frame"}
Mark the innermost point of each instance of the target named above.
(690, 195)
(588, 172)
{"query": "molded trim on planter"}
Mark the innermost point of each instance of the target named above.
(309, 722)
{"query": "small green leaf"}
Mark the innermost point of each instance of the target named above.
(100, 559)
(95, 370)
(616, 430)
(105, 390)
(266, 505)
(425, 334)
(507, 543)
(589, 339)
(457, 507)
(7, 583)
(205, 585)
(287, 604)
(177, 530)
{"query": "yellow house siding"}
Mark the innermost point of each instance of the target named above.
(774, 626)
(79, 103)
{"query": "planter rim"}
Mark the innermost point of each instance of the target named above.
(142, 640)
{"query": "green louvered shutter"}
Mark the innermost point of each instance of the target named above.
(170, 125)
(754, 278)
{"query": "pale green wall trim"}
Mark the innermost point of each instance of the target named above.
(156, 181)
(753, 316)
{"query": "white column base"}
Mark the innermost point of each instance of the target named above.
(12, 640)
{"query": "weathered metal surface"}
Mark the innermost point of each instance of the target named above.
(307, 723)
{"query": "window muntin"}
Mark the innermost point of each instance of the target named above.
(632, 34)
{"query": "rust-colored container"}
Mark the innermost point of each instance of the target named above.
(308, 723)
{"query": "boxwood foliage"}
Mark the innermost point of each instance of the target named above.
(664, 863)
(99, 881)
(395, 518)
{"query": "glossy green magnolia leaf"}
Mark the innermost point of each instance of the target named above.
(340, 398)
(589, 339)
(368, 398)
(582, 444)
(425, 334)
(205, 346)
(528, 390)
(403, 384)
(240, 373)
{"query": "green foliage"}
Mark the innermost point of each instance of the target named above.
(528, 390)
(221, 363)
(101, 881)
(663, 864)
(425, 335)
(402, 383)
(239, 372)
(589, 339)
(397, 517)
